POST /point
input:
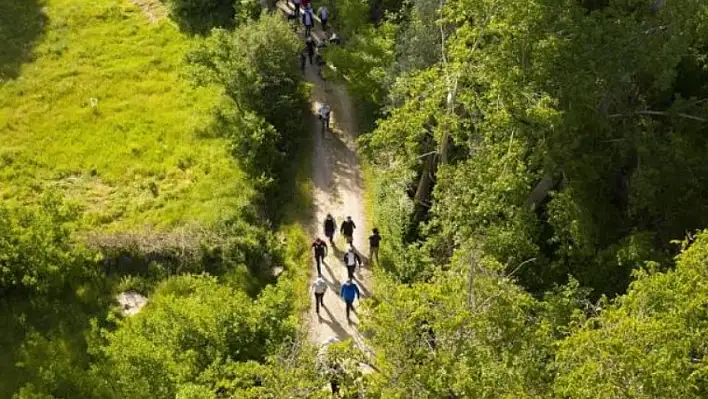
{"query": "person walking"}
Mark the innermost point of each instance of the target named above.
(319, 287)
(319, 247)
(349, 292)
(323, 13)
(330, 225)
(374, 241)
(351, 260)
(310, 47)
(308, 19)
(324, 113)
(296, 4)
(347, 230)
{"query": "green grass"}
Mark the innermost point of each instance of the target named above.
(96, 106)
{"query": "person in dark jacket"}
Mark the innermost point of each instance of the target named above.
(319, 247)
(347, 230)
(330, 226)
(310, 48)
(349, 292)
(374, 241)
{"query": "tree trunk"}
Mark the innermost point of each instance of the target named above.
(540, 192)
(425, 188)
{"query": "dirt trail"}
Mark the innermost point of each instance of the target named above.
(339, 190)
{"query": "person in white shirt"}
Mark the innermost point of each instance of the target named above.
(324, 117)
(319, 287)
(351, 259)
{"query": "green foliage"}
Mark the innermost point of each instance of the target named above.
(264, 130)
(101, 115)
(200, 16)
(258, 58)
(447, 338)
(364, 60)
(576, 149)
(37, 253)
(649, 343)
(192, 324)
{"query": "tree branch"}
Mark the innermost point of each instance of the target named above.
(661, 113)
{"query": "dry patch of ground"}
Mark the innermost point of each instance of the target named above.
(154, 10)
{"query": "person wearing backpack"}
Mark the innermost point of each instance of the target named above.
(347, 230)
(330, 225)
(308, 19)
(319, 247)
(351, 260)
(323, 13)
(349, 292)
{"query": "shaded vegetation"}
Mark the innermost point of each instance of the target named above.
(22, 25)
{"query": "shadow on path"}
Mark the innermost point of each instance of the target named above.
(22, 25)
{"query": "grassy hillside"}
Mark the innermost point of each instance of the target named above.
(93, 103)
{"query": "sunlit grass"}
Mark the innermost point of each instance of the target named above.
(103, 113)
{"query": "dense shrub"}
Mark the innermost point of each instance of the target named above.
(198, 16)
(37, 252)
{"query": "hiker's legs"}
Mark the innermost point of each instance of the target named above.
(310, 57)
(318, 302)
(324, 24)
(297, 8)
(350, 307)
(374, 253)
(319, 259)
(350, 271)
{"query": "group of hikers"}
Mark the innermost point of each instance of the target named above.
(313, 51)
(349, 291)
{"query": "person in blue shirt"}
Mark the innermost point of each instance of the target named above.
(349, 292)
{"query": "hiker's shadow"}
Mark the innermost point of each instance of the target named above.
(364, 291)
(336, 283)
(336, 326)
(23, 26)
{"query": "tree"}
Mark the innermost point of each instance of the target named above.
(192, 330)
(38, 255)
(200, 16)
(257, 58)
(648, 343)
